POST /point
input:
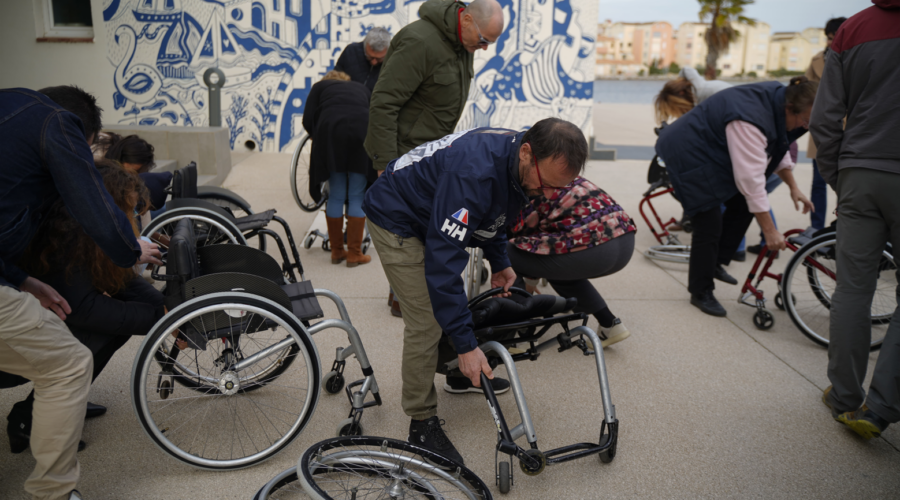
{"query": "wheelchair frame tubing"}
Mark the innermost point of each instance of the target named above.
(646, 200)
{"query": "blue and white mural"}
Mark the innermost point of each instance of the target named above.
(272, 51)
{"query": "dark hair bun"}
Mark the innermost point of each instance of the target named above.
(797, 80)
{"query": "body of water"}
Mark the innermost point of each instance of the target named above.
(627, 91)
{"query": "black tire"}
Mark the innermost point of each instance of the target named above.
(484, 275)
(537, 454)
(300, 165)
(234, 203)
(348, 427)
(369, 461)
(333, 382)
(763, 320)
(216, 228)
(308, 242)
(505, 478)
(210, 421)
(687, 226)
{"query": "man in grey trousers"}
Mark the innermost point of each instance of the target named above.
(862, 164)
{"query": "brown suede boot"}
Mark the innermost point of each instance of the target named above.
(336, 239)
(356, 227)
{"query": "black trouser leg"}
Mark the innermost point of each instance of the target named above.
(735, 221)
(704, 250)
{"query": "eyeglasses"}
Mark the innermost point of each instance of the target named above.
(378, 60)
(482, 41)
(538, 170)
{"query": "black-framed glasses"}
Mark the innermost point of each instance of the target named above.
(538, 170)
(482, 41)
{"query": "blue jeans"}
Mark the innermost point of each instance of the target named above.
(343, 188)
(819, 195)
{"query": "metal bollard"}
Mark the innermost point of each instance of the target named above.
(215, 95)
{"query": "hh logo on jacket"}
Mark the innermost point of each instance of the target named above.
(453, 229)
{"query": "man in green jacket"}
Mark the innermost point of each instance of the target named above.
(426, 74)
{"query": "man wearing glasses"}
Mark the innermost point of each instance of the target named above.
(362, 60)
(424, 82)
(432, 203)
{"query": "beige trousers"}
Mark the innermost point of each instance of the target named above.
(37, 345)
(424, 350)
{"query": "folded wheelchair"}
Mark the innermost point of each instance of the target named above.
(230, 375)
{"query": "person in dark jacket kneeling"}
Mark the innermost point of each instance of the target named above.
(109, 304)
(427, 207)
(722, 152)
(336, 117)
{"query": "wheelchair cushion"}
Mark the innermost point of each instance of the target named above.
(304, 303)
(184, 182)
(254, 221)
(515, 308)
(239, 259)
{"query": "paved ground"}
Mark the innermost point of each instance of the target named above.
(709, 407)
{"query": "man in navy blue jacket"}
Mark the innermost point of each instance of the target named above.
(433, 202)
(46, 155)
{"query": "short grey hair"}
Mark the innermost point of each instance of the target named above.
(378, 39)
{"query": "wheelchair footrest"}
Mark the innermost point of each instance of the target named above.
(581, 450)
(367, 404)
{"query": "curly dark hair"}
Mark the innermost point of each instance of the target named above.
(62, 244)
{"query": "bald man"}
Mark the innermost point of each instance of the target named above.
(426, 74)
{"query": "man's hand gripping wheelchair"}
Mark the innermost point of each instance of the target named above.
(231, 376)
(503, 322)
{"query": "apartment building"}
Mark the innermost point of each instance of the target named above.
(793, 51)
(624, 49)
(749, 53)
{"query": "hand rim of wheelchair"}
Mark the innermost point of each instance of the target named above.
(282, 479)
(226, 226)
(380, 461)
(813, 247)
(295, 190)
(679, 254)
(195, 308)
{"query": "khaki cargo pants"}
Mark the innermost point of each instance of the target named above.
(37, 345)
(425, 349)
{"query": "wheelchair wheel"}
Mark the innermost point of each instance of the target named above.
(810, 279)
(376, 467)
(227, 199)
(226, 346)
(211, 228)
(284, 486)
(300, 165)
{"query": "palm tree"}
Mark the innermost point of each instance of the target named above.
(720, 33)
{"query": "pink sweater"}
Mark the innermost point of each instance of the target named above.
(747, 148)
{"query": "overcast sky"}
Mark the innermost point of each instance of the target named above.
(782, 15)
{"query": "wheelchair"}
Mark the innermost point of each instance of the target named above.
(230, 375)
(213, 212)
(670, 248)
(809, 279)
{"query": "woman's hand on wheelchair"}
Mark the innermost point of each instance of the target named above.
(799, 198)
(472, 363)
(150, 253)
(503, 278)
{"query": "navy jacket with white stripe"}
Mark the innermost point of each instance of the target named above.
(459, 191)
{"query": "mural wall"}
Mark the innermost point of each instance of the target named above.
(272, 51)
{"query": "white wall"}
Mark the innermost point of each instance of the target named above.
(27, 63)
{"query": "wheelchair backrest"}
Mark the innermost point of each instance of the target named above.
(181, 261)
(184, 181)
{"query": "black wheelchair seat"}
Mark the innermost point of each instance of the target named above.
(517, 308)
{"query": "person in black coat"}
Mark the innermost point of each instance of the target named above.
(362, 60)
(109, 304)
(336, 118)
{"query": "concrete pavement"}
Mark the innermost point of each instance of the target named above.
(708, 407)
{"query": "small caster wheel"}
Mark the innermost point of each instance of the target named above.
(763, 319)
(534, 470)
(333, 382)
(308, 242)
(607, 455)
(687, 227)
(326, 245)
(348, 428)
(365, 246)
(505, 478)
(779, 300)
(543, 281)
(165, 389)
(484, 275)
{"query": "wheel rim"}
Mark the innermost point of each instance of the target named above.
(211, 231)
(300, 164)
(811, 291)
(219, 426)
(370, 467)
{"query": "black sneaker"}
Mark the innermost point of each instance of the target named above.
(429, 435)
(739, 256)
(460, 385)
(754, 249)
(707, 303)
(722, 275)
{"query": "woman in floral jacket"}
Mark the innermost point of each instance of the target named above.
(570, 236)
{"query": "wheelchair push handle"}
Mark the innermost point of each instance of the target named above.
(495, 291)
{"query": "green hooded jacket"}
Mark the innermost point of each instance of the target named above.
(423, 85)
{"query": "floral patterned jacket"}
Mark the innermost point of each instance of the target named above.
(573, 218)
